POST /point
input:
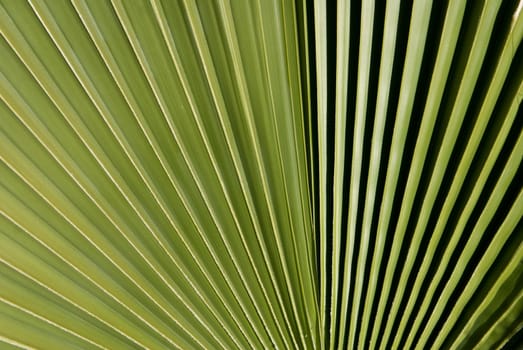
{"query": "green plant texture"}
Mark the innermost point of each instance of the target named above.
(261, 174)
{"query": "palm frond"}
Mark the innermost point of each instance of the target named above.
(260, 174)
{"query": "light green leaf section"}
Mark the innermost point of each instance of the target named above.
(342, 63)
(163, 183)
(320, 48)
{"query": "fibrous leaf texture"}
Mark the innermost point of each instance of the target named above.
(276, 174)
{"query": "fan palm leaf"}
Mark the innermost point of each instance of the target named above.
(260, 174)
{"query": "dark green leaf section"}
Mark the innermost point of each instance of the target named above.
(420, 173)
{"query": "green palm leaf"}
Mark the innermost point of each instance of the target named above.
(260, 174)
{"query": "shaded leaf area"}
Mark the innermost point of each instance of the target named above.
(419, 153)
(260, 174)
